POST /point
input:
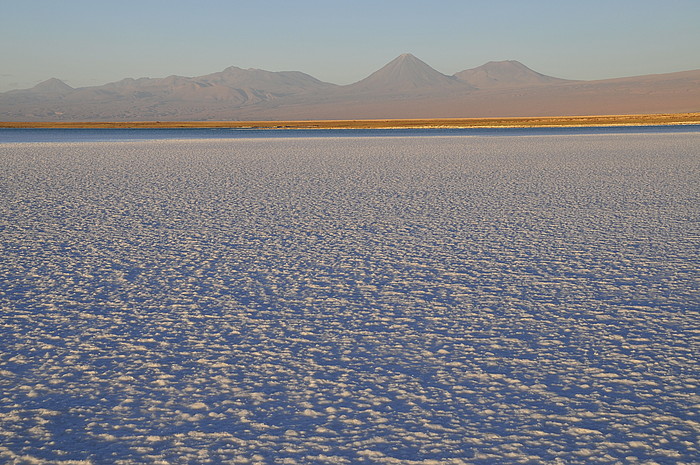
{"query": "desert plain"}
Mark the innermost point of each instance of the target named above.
(550, 121)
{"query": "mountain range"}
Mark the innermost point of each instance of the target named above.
(406, 87)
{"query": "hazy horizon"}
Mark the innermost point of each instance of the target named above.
(87, 43)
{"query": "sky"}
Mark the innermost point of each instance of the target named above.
(88, 42)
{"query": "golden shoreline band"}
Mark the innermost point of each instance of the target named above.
(544, 121)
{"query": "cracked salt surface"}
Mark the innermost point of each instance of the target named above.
(371, 300)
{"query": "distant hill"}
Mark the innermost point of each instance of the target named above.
(406, 87)
(504, 74)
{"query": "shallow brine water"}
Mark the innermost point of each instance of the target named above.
(28, 135)
(351, 300)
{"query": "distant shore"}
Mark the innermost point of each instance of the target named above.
(524, 122)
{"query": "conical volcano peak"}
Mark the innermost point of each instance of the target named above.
(406, 73)
(407, 56)
(407, 59)
(52, 85)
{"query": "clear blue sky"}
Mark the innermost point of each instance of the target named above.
(92, 42)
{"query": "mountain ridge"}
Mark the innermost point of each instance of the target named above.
(406, 87)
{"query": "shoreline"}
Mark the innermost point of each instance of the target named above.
(513, 122)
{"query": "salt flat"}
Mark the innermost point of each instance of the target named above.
(351, 300)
